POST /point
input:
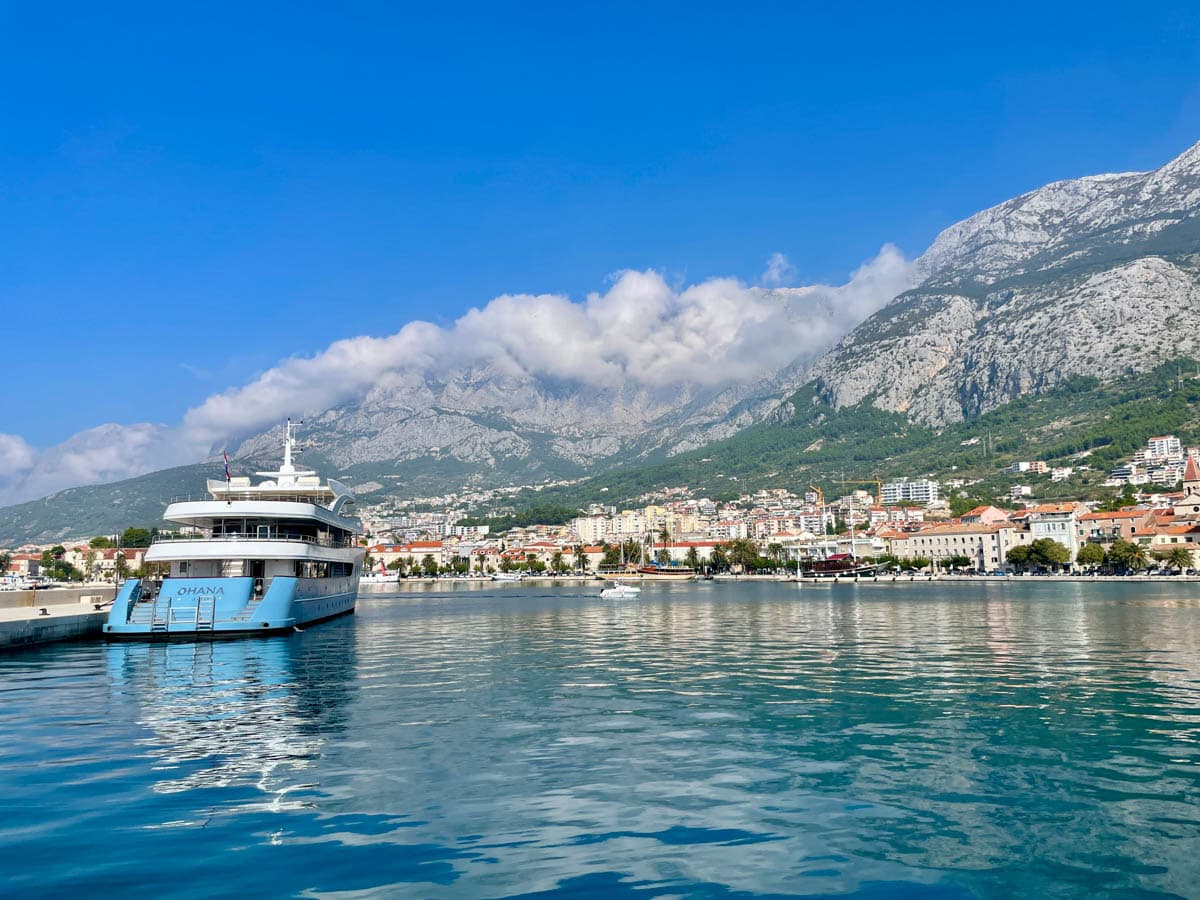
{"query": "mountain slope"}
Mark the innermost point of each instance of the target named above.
(819, 443)
(1095, 276)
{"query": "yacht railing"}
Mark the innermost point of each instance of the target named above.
(271, 494)
(288, 538)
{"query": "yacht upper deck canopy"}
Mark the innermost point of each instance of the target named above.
(285, 484)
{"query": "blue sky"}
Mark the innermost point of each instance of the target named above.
(190, 194)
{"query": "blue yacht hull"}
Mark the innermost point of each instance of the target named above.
(206, 609)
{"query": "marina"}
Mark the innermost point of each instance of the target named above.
(944, 739)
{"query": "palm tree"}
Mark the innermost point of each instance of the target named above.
(1179, 558)
(581, 559)
(1137, 558)
(692, 559)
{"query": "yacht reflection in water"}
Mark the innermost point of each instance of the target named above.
(228, 713)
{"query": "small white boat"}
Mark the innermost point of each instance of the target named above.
(377, 578)
(507, 576)
(618, 591)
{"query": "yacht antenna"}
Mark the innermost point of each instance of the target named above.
(287, 448)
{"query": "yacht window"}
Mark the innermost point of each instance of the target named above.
(264, 531)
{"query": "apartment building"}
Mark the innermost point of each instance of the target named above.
(918, 491)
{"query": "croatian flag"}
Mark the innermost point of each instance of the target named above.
(226, 455)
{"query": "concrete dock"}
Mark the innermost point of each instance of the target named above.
(45, 616)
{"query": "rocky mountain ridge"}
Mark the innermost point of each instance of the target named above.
(490, 421)
(1094, 276)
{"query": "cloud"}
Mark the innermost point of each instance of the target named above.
(16, 456)
(778, 272)
(639, 331)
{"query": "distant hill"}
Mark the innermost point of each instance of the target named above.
(102, 508)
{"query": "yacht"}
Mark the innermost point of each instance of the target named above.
(508, 576)
(251, 559)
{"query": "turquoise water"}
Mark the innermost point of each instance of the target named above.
(713, 740)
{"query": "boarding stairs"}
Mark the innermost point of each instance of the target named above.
(244, 615)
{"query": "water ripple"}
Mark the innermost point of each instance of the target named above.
(703, 740)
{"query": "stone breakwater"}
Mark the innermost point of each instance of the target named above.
(69, 614)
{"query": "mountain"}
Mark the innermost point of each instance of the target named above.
(491, 425)
(1095, 276)
(1084, 422)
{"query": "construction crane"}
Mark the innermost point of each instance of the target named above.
(875, 481)
(820, 496)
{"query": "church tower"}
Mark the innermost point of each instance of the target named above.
(1191, 476)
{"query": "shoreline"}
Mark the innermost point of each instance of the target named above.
(783, 579)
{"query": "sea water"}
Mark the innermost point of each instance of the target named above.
(704, 739)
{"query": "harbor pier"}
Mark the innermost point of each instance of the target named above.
(57, 614)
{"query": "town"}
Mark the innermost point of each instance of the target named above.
(904, 524)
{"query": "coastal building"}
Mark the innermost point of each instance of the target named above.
(1104, 528)
(918, 491)
(679, 550)
(387, 554)
(879, 515)
(1056, 521)
(984, 515)
(986, 546)
(1170, 536)
(591, 529)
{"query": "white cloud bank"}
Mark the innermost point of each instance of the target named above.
(642, 330)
